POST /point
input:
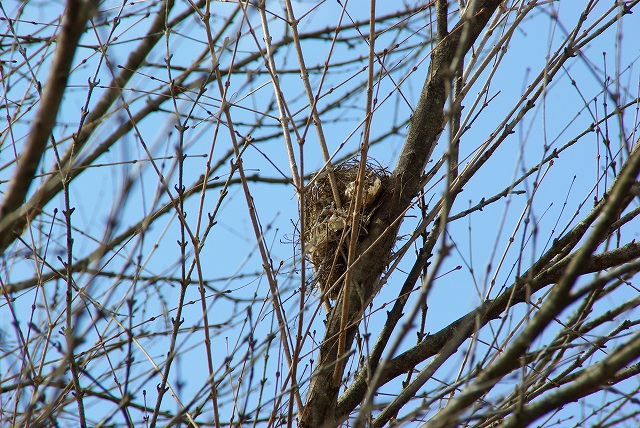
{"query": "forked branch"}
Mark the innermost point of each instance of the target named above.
(425, 128)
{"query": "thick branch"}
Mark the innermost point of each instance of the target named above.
(490, 310)
(14, 220)
(75, 17)
(593, 379)
(425, 127)
(427, 121)
(557, 300)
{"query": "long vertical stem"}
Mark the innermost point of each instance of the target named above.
(255, 222)
(76, 15)
(356, 205)
(304, 75)
(284, 116)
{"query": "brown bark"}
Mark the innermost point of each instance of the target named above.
(425, 128)
(75, 18)
(15, 215)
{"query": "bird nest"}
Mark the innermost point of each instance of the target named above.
(328, 228)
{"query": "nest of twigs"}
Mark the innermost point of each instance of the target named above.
(328, 228)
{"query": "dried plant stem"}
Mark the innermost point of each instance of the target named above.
(313, 101)
(280, 98)
(304, 75)
(355, 206)
(285, 336)
(75, 18)
(18, 219)
(170, 117)
(425, 128)
(556, 301)
(77, 13)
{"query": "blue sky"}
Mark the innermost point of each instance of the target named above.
(230, 250)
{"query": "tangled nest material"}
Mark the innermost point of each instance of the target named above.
(328, 228)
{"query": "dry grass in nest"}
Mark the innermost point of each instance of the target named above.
(328, 228)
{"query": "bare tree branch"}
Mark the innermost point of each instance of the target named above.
(425, 128)
(75, 18)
